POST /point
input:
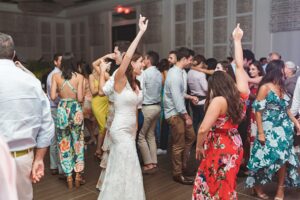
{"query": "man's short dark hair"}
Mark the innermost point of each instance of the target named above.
(248, 55)
(56, 56)
(153, 57)
(7, 47)
(184, 52)
(199, 59)
(172, 52)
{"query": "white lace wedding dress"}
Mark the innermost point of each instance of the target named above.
(123, 179)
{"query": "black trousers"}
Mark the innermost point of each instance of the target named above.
(198, 115)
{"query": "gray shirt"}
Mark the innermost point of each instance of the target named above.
(152, 83)
(197, 83)
(25, 116)
(174, 103)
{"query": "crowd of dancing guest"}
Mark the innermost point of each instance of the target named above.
(237, 114)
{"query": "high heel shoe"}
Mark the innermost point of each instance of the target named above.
(261, 195)
(70, 182)
(79, 180)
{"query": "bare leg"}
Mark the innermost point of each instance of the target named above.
(90, 127)
(258, 191)
(99, 151)
(281, 177)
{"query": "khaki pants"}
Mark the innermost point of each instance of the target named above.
(24, 184)
(182, 141)
(146, 140)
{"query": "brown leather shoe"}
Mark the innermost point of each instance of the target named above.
(183, 180)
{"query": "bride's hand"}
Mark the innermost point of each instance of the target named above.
(143, 24)
(237, 33)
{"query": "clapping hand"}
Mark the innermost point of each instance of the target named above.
(237, 33)
(143, 23)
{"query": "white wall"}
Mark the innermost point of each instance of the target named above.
(288, 45)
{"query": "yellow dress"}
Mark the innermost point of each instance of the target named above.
(100, 109)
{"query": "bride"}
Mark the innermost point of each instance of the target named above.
(123, 178)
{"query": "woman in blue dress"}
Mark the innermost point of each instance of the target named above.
(273, 150)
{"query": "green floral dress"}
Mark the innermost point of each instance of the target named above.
(267, 159)
(69, 123)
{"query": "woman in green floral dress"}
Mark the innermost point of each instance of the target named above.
(68, 85)
(273, 150)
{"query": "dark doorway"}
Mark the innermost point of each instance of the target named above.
(123, 35)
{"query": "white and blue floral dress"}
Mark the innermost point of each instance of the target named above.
(266, 160)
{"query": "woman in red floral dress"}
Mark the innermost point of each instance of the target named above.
(219, 143)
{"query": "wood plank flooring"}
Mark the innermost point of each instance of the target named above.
(159, 186)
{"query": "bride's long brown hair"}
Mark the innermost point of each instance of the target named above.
(129, 72)
(221, 84)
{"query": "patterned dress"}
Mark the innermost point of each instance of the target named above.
(252, 129)
(266, 160)
(70, 138)
(216, 177)
(69, 123)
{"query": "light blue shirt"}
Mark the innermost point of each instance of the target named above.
(53, 104)
(174, 103)
(25, 116)
(152, 83)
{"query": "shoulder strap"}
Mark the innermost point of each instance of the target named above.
(71, 87)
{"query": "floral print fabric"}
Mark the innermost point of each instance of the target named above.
(267, 159)
(69, 124)
(216, 176)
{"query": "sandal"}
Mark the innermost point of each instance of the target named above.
(262, 195)
(70, 182)
(79, 180)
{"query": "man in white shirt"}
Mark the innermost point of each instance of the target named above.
(152, 83)
(25, 119)
(198, 87)
(55, 166)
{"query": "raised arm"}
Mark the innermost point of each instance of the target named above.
(96, 63)
(103, 78)
(120, 78)
(205, 71)
(240, 74)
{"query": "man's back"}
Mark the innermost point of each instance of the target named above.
(25, 118)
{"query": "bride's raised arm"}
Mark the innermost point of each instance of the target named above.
(240, 74)
(120, 78)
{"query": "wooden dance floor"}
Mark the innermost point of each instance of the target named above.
(159, 186)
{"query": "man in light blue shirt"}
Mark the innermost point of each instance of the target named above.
(25, 119)
(183, 135)
(152, 83)
(55, 166)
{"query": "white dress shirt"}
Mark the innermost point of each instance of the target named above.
(53, 104)
(198, 84)
(25, 117)
(152, 83)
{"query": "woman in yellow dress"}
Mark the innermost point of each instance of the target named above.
(99, 104)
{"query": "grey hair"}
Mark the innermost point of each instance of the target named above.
(7, 47)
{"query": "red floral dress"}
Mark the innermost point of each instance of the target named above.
(252, 128)
(216, 176)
